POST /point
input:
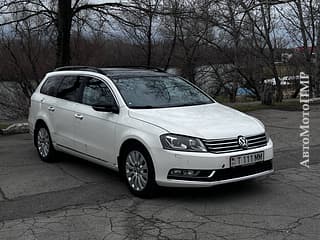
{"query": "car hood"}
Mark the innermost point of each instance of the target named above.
(207, 121)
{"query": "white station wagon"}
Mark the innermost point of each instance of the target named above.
(153, 127)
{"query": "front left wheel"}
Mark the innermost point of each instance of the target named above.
(138, 171)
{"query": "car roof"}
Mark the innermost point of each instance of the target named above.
(118, 72)
(132, 72)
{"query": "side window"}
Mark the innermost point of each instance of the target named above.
(70, 88)
(96, 92)
(50, 86)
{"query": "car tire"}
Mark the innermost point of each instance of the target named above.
(138, 171)
(43, 143)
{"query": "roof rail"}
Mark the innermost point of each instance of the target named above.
(138, 67)
(85, 68)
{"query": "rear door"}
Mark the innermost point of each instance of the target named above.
(68, 96)
(48, 101)
(95, 131)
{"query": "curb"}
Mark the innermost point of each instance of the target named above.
(16, 128)
(314, 100)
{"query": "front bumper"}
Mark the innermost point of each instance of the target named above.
(219, 164)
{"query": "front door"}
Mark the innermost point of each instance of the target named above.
(94, 130)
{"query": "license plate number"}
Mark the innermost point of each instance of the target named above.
(246, 159)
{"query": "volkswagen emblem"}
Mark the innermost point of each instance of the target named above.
(243, 142)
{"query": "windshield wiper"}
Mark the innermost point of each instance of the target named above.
(142, 107)
(191, 104)
(169, 106)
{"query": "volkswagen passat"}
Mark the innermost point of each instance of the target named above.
(155, 128)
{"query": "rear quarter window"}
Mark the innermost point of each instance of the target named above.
(50, 87)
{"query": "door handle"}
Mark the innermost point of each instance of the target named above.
(78, 116)
(51, 109)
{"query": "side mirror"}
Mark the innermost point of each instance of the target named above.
(106, 108)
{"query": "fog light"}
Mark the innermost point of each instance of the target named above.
(183, 173)
(189, 172)
(176, 172)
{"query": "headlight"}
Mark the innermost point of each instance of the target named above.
(182, 143)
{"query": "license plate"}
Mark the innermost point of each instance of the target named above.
(246, 159)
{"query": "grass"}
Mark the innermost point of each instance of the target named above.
(4, 125)
(253, 106)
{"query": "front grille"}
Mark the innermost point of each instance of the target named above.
(232, 145)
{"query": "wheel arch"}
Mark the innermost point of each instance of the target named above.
(36, 125)
(46, 122)
(126, 145)
(38, 122)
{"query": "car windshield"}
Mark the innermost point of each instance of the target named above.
(159, 92)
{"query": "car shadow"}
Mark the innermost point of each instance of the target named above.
(74, 162)
(227, 191)
(224, 191)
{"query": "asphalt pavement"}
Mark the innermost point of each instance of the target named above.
(75, 199)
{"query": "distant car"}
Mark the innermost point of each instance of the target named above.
(153, 127)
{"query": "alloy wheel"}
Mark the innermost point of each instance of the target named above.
(136, 170)
(43, 142)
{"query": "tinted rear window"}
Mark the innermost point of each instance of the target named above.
(51, 85)
(70, 88)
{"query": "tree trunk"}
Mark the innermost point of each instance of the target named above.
(267, 94)
(233, 90)
(256, 92)
(232, 96)
(307, 53)
(279, 93)
(173, 45)
(296, 92)
(266, 17)
(317, 75)
(149, 36)
(188, 71)
(64, 22)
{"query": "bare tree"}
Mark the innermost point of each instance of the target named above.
(27, 55)
(169, 27)
(263, 22)
(61, 13)
(143, 25)
(227, 19)
(299, 20)
(191, 33)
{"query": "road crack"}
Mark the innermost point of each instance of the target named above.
(71, 175)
